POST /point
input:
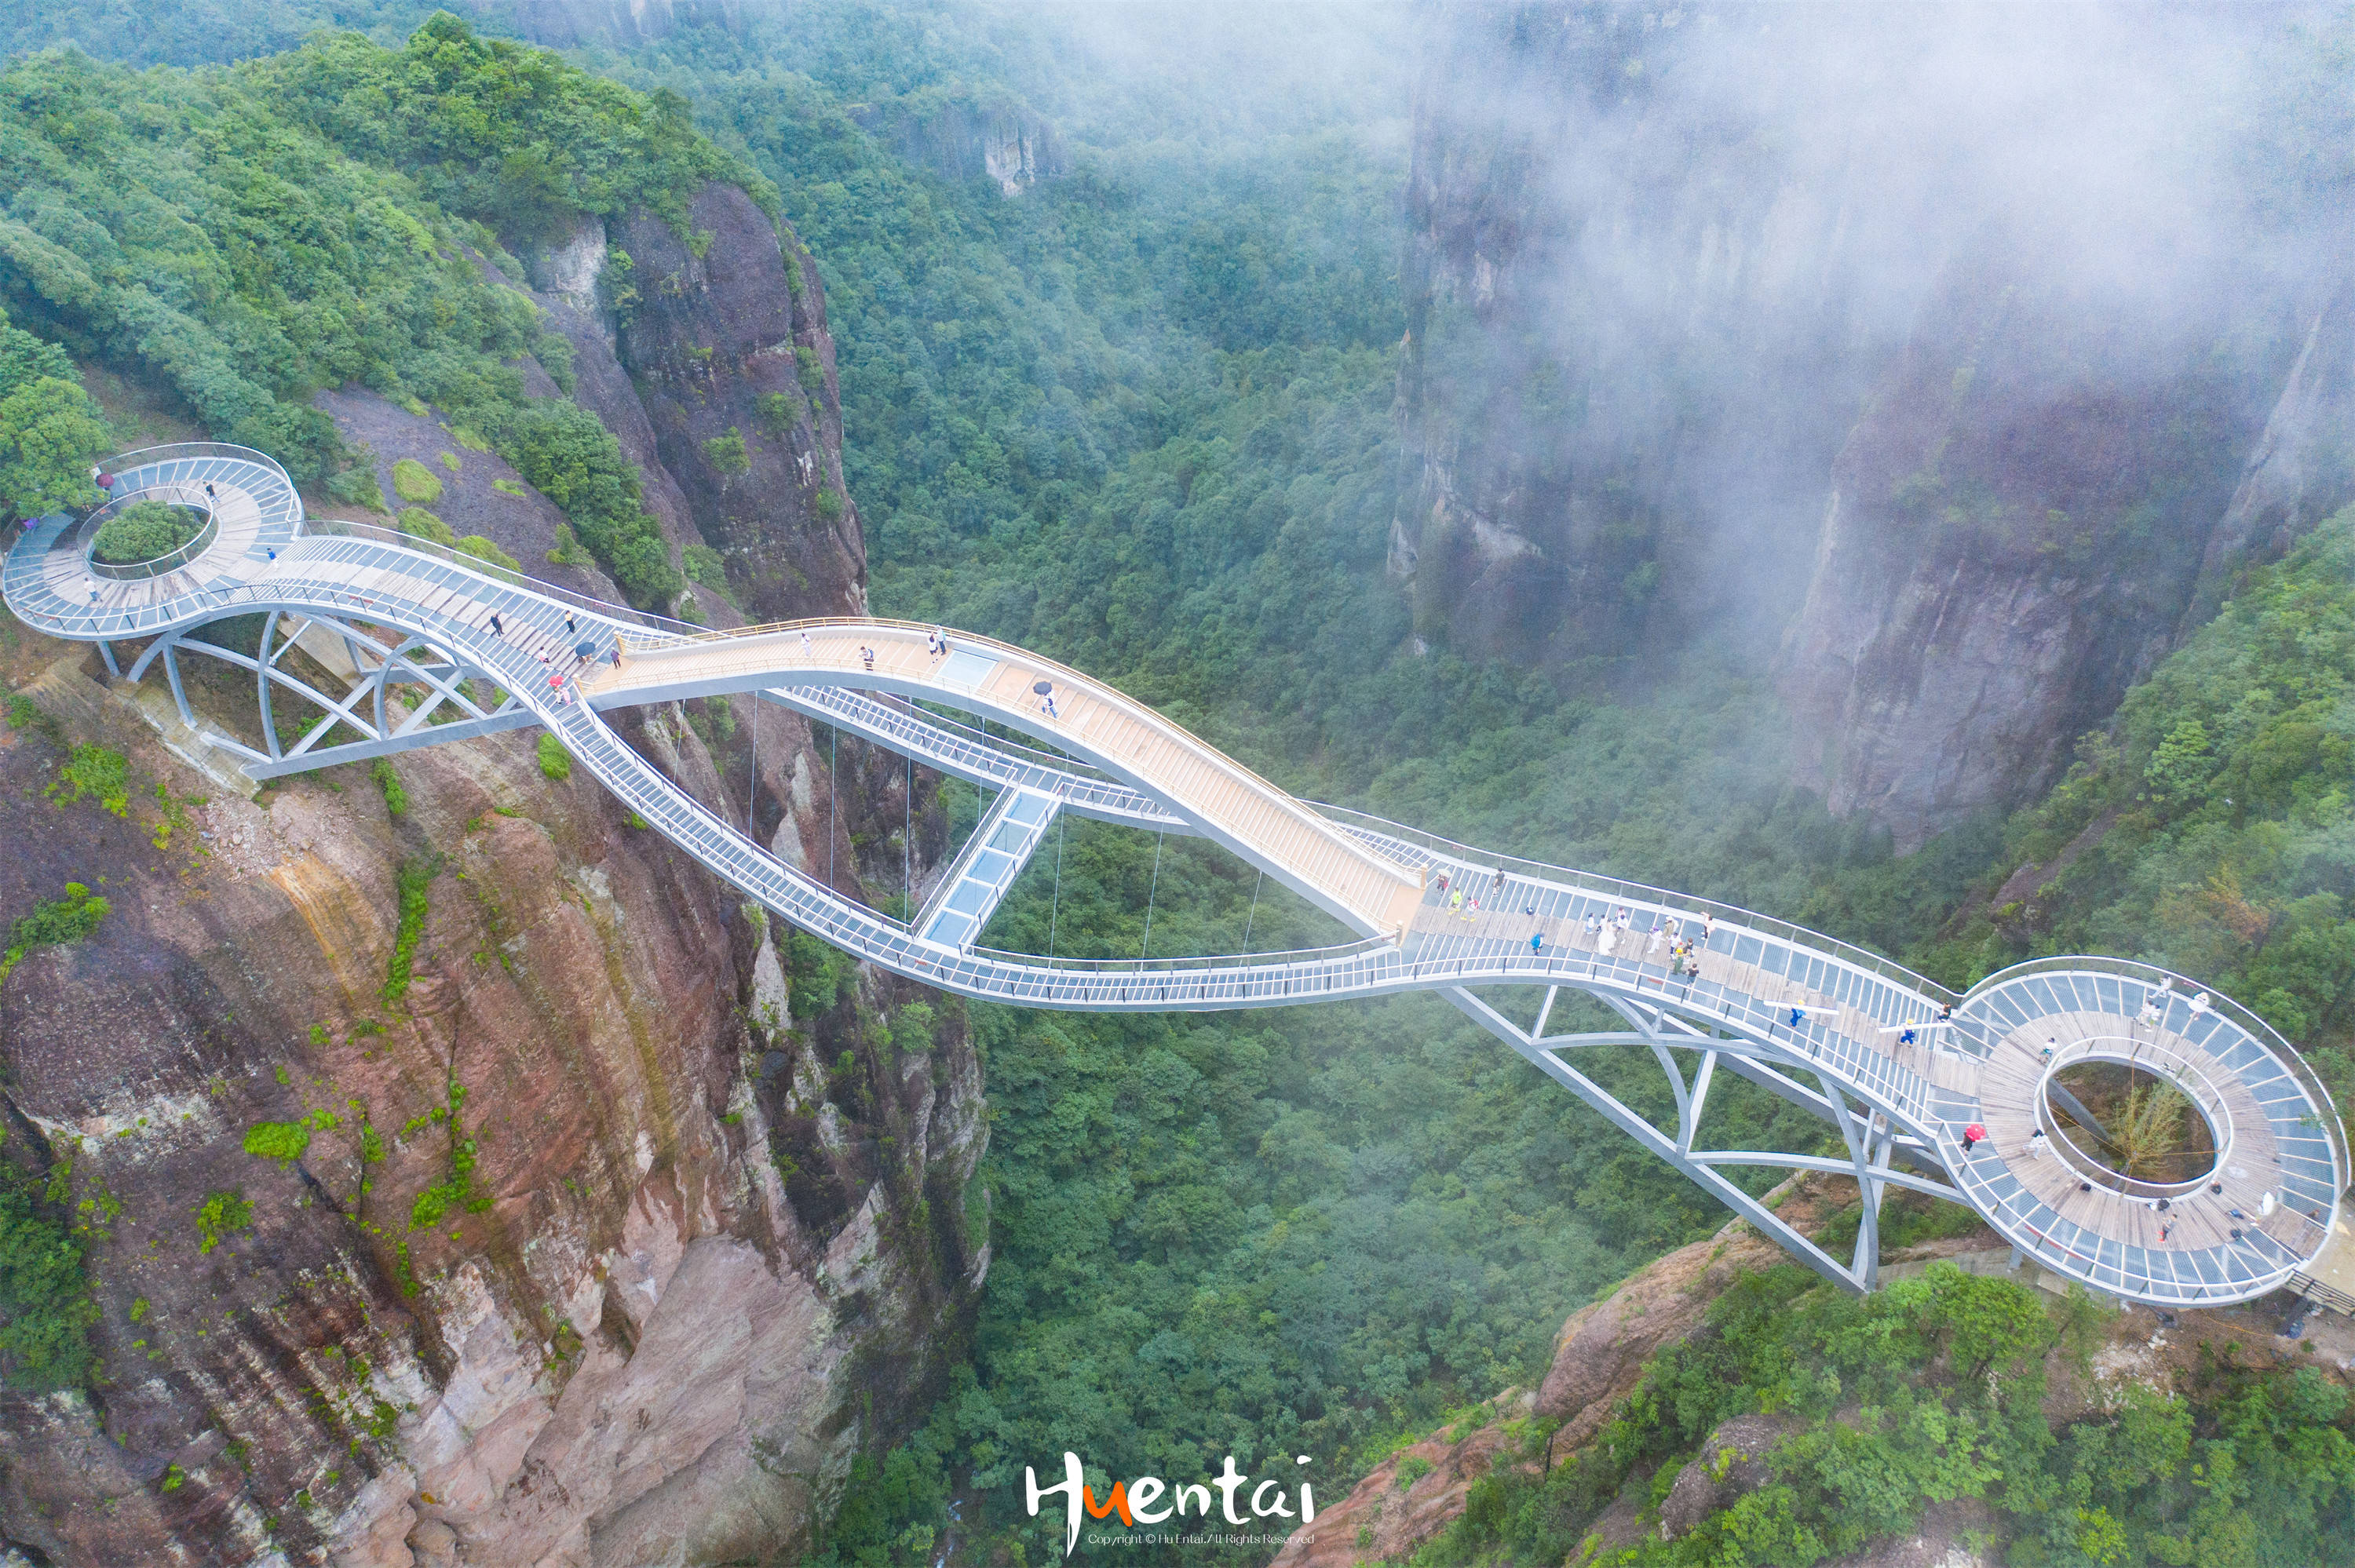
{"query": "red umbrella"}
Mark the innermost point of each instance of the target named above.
(1974, 1132)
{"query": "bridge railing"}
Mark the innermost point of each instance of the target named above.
(1358, 948)
(646, 620)
(2170, 1067)
(1624, 892)
(147, 456)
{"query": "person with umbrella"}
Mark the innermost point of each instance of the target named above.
(1972, 1134)
(1046, 690)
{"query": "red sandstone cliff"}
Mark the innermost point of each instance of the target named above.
(617, 1237)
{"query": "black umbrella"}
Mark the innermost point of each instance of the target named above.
(1042, 687)
(584, 648)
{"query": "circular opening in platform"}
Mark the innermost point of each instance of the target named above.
(147, 530)
(2128, 1119)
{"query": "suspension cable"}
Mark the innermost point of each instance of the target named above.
(1254, 914)
(1146, 951)
(908, 847)
(833, 801)
(752, 774)
(1056, 907)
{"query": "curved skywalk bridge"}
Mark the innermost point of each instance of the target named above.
(406, 628)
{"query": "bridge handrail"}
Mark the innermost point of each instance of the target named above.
(147, 456)
(1640, 893)
(2266, 1038)
(1078, 769)
(332, 528)
(2197, 1089)
(1202, 961)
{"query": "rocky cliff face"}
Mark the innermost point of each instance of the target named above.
(607, 1221)
(1637, 335)
(963, 135)
(2013, 530)
(1930, 354)
(727, 345)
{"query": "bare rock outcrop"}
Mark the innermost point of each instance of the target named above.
(2013, 530)
(727, 348)
(2303, 467)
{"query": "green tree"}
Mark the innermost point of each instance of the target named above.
(50, 433)
(143, 531)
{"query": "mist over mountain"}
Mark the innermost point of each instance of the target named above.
(1929, 341)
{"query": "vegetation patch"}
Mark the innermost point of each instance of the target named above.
(396, 798)
(415, 877)
(222, 1214)
(555, 762)
(725, 453)
(145, 531)
(418, 523)
(285, 1142)
(483, 550)
(45, 1308)
(26, 713)
(99, 772)
(50, 431)
(380, 169)
(53, 923)
(415, 483)
(1928, 1391)
(457, 1191)
(356, 485)
(779, 413)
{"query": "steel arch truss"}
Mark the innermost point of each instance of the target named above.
(370, 671)
(1874, 1142)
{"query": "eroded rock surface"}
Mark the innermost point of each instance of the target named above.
(618, 1224)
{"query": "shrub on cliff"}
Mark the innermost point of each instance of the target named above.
(220, 1214)
(53, 923)
(96, 771)
(46, 1310)
(554, 760)
(415, 483)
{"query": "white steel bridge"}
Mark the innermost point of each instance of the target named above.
(1900, 1067)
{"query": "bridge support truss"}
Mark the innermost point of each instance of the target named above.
(1873, 1144)
(369, 669)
